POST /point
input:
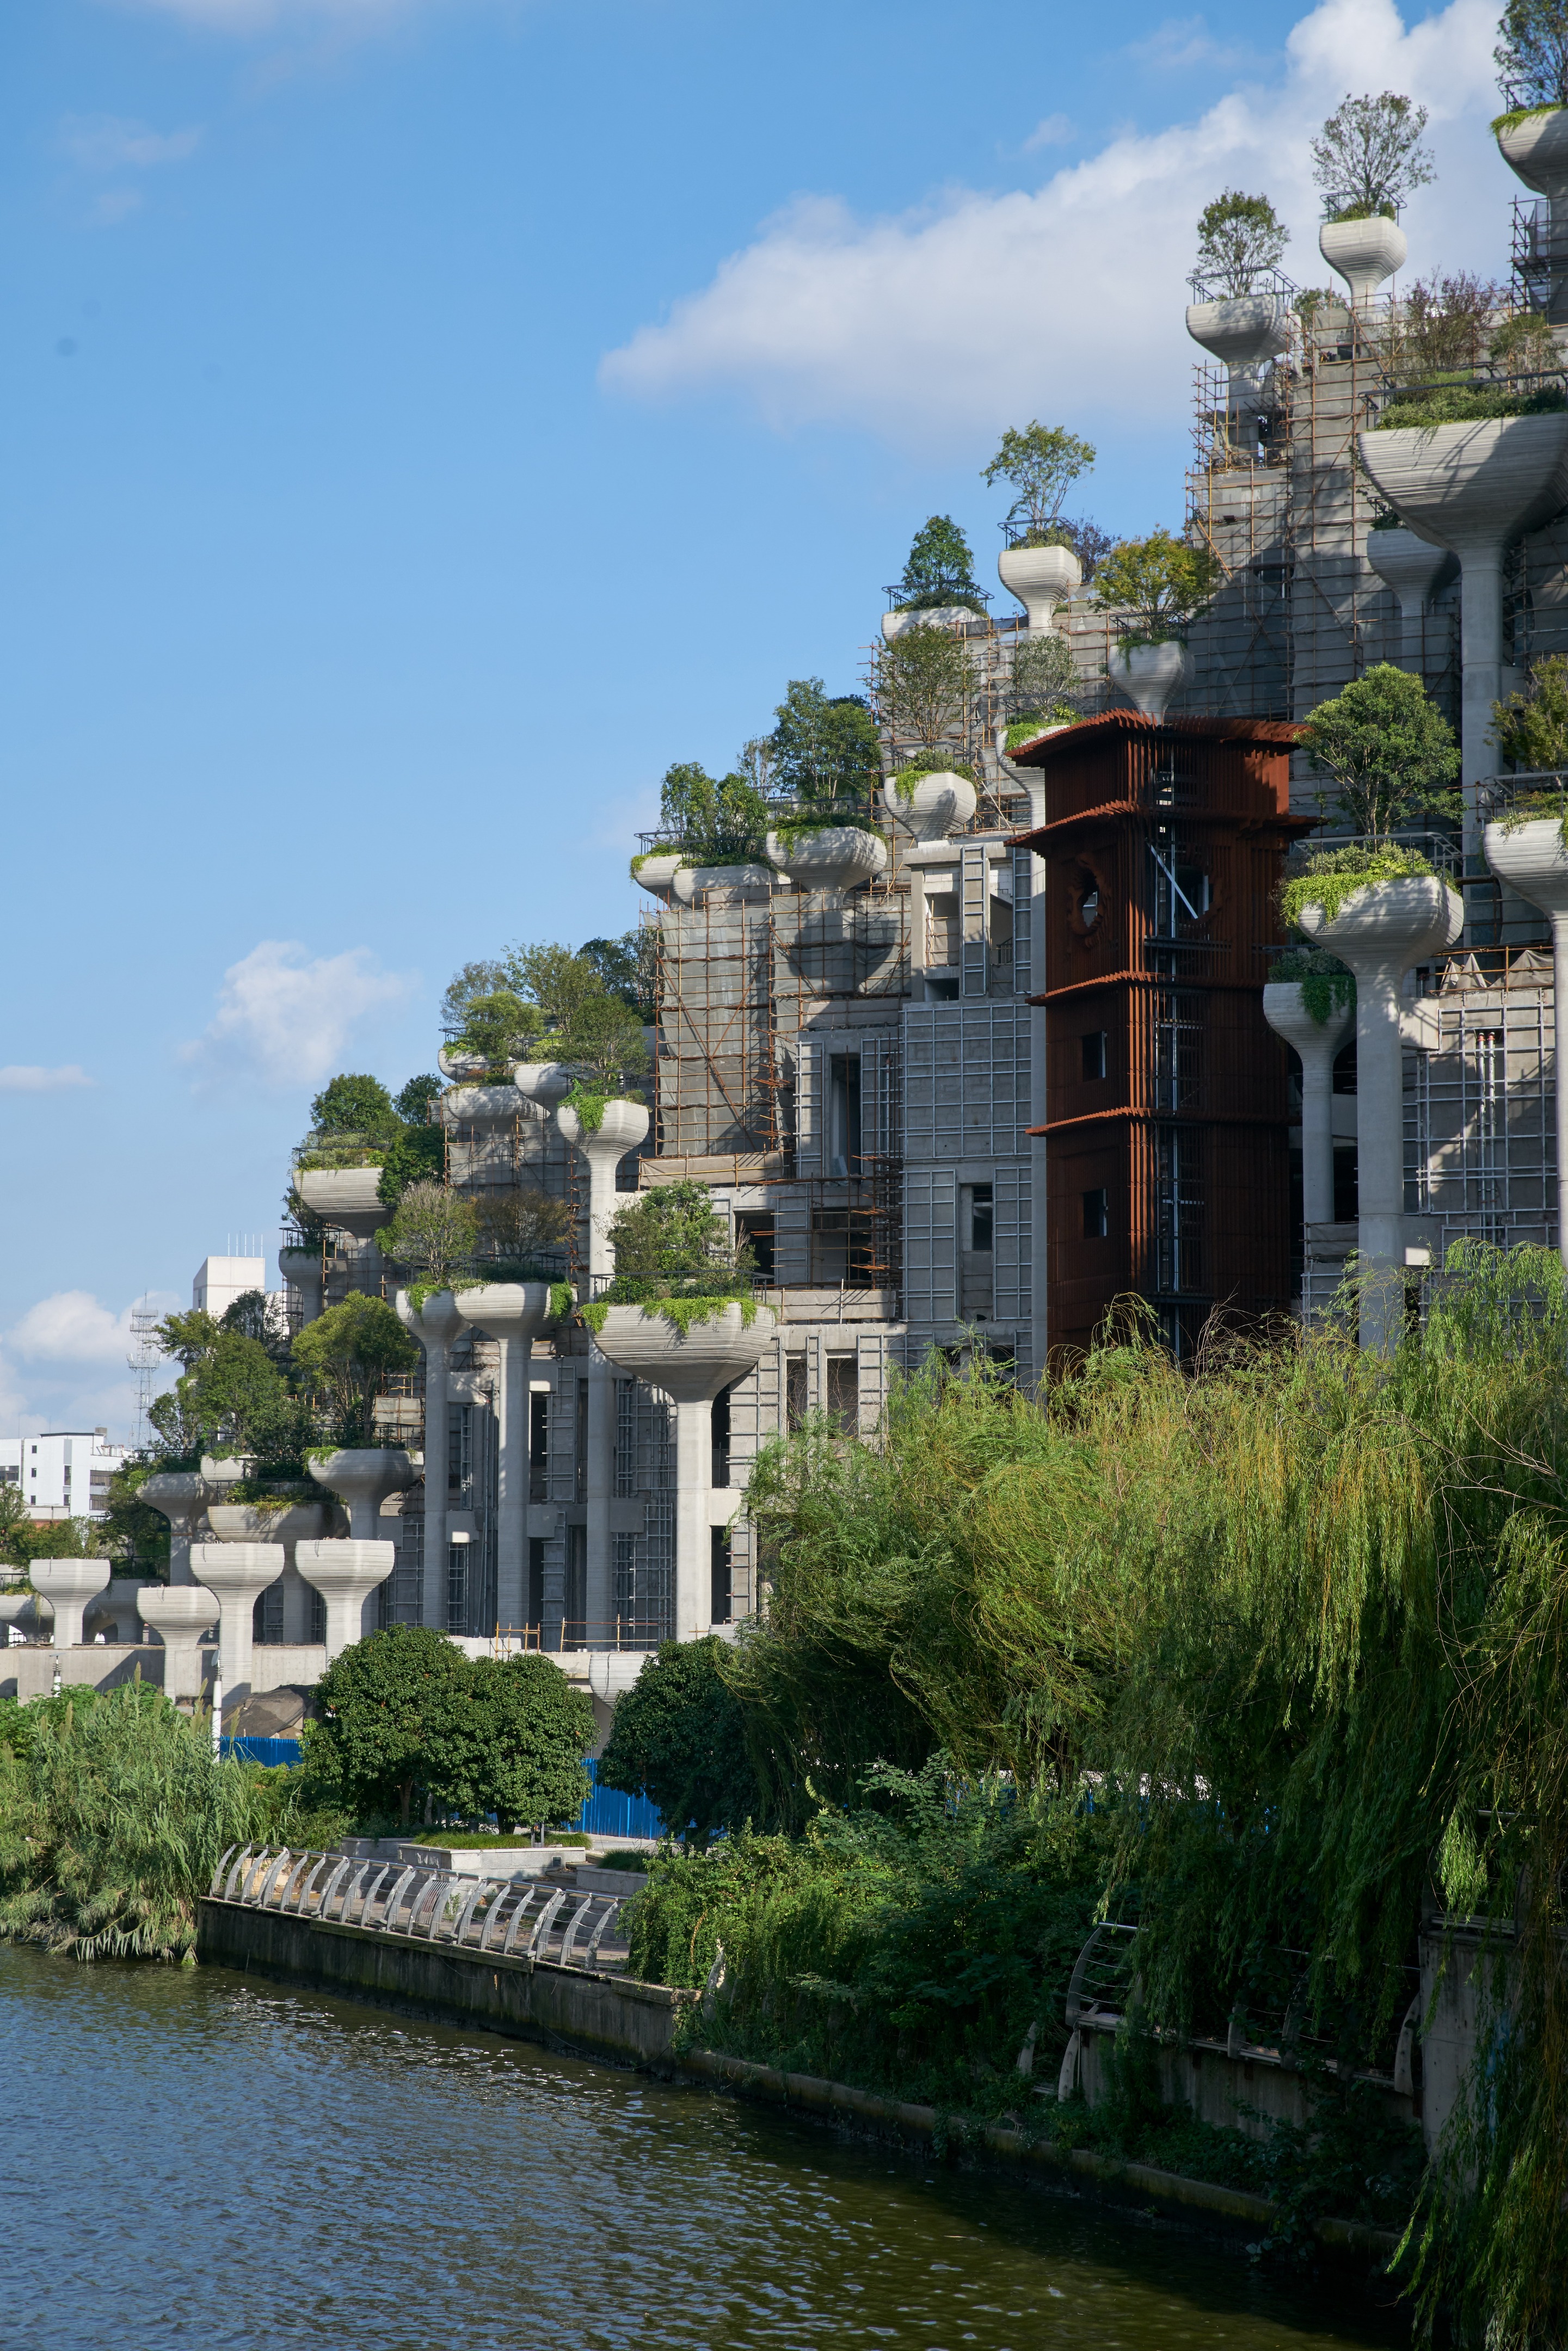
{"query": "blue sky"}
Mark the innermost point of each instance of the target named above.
(428, 419)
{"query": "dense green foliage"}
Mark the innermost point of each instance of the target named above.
(1460, 404)
(713, 820)
(1239, 238)
(1163, 583)
(112, 1816)
(406, 1716)
(1531, 55)
(823, 749)
(939, 569)
(1388, 748)
(679, 1738)
(344, 1357)
(925, 684)
(1531, 729)
(1325, 982)
(1327, 877)
(1369, 156)
(353, 1103)
(1041, 463)
(418, 1157)
(1297, 1617)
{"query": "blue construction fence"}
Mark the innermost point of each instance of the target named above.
(606, 1812)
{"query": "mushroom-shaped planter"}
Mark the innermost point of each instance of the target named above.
(363, 1475)
(937, 804)
(1317, 1044)
(1380, 931)
(1532, 859)
(750, 880)
(179, 1614)
(1364, 253)
(834, 856)
(656, 872)
(348, 1196)
(1042, 577)
(1149, 674)
(546, 1083)
(68, 1584)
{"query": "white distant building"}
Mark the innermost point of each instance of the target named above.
(221, 1279)
(64, 1473)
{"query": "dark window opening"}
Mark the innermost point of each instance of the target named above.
(982, 1217)
(796, 1392)
(1346, 1192)
(1094, 1043)
(457, 1586)
(538, 1450)
(755, 1232)
(845, 1115)
(535, 1612)
(721, 1438)
(841, 1246)
(1096, 1215)
(460, 1455)
(576, 1609)
(579, 1448)
(722, 1602)
(844, 1392)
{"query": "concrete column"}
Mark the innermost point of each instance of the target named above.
(513, 1313)
(236, 1574)
(1415, 569)
(694, 1543)
(690, 1368)
(599, 1599)
(68, 1585)
(622, 1127)
(435, 1325)
(1317, 1044)
(180, 1497)
(302, 1270)
(1381, 932)
(179, 1614)
(1533, 860)
(347, 1575)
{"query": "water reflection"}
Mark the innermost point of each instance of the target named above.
(188, 2157)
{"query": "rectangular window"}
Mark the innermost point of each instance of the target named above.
(796, 1392)
(1096, 1216)
(457, 1586)
(579, 1452)
(625, 1437)
(982, 1217)
(844, 1392)
(538, 1449)
(535, 1612)
(721, 1438)
(845, 1115)
(460, 1455)
(1095, 1042)
(576, 1635)
(755, 1232)
(720, 1602)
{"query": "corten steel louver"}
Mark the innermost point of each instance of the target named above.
(1166, 1113)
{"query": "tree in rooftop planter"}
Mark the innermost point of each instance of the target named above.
(1390, 754)
(1157, 587)
(925, 681)
(1038, 564)
(1240, 240)
(345, 1357)
(932, 796)
(1531, 58)
(1472, 481)
(679, 1313)
(939, 572)
(1367, 159)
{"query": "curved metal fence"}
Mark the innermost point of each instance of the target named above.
(515, 1918)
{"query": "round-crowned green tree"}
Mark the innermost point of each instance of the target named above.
(345, 1355)
(679, 1738)
(1388, 749)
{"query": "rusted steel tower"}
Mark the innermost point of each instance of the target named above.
(1167, 1106)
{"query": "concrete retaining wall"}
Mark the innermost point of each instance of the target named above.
(532, 2000)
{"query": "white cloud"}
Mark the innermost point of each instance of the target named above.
(1180, 43)
(289, 1016)
(1056, 131)
(978, 310)
(113, 142)
(75, 1351)
(28, 1077)
(71, 1327)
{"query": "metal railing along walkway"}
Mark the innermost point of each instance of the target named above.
(515, 1918)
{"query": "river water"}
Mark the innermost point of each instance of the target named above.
(190, 2158)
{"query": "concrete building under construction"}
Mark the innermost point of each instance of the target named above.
(966, 1069)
